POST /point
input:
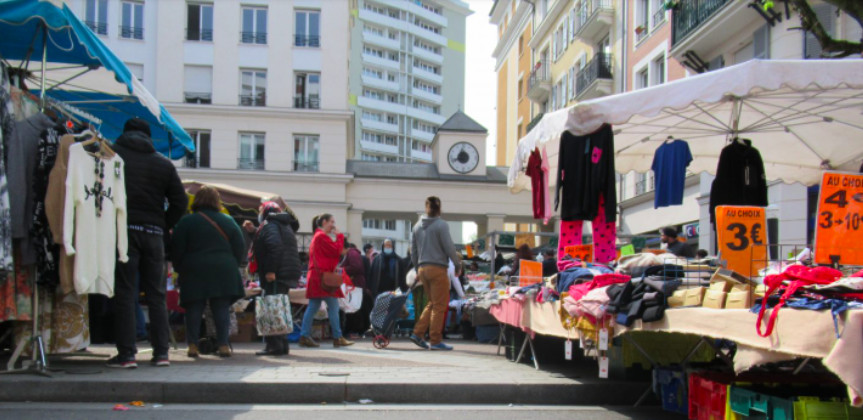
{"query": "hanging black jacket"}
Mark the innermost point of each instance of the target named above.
(740, 179)
(276, 250)
(585, 171)
(150, 180)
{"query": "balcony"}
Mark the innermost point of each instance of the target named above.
(381, 61)
(380, 105)
(372, 146)
(383, 20)
(594, 19)
(427, 55)
(426, 115)
(427, 75)
(427, 96)
(255, 164)
(303, 40)
(539, 83)
(703, 26)
(259, 38)
(595, 79)
(381, 41)
(312, 102)
(375, 82)
(422, 135)
(379, 125)
(427, 34)
(199, 35)
(306, 166)
(419, 154)
(253, 100)
(99, 28)
(198, 97)
(131, 32)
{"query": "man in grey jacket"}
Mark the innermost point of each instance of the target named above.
(431, 250)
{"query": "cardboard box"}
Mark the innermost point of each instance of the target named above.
(694, 296)
(725, 280)
(246, 329)
(738, 299)
(714, 299)
(677, 299)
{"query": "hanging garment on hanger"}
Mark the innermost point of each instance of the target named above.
(740, 178)
(94, 219)
(604, 236)
(546, 217)
(47, 250)
(669, 169)
(585, 172)
(537, 186)
(6, 128)
(55, 201)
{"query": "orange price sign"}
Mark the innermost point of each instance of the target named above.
(581, 252)
(529, 272)
(838, 233)
(742, 237)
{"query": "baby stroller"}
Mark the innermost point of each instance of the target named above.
(388, 306)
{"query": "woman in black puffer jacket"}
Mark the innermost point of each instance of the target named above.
(278, 260)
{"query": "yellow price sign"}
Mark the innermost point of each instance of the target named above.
(838, 233)
(580, 252)
(742, 236)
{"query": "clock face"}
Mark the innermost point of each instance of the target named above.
(463, 157)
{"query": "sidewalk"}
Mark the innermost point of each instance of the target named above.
(402, 373)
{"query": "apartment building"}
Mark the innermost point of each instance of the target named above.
(407, 67)
(697, 36)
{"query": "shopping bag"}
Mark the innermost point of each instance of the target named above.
(353, 299)
(273, 315)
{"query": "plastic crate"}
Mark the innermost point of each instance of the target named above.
(707, 398)
(755, 405)
(811, 408)
(670, 384)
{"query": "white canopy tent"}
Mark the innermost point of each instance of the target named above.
(803, 115)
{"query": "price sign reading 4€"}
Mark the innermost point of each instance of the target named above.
(581, 252)
(839, 229)
(742, 237)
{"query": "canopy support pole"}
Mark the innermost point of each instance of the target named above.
(73, 77)
(44, 66)
(737, 104)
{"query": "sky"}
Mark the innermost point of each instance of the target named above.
(480, 77)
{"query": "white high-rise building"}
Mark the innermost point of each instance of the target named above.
(406, 75)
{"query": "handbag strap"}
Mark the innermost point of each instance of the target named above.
(216, 225)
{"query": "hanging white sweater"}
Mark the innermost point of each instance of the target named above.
(94, 220)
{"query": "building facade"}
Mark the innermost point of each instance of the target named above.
(407, 69)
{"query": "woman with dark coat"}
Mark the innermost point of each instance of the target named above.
(358, 322)
(207, 251)
(275, 251)
(325, 252)
(388, 271)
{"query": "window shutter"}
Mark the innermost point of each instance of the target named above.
(761, 42)
(827, 16)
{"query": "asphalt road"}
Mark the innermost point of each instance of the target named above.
(93, 411)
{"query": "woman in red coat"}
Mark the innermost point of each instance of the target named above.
(325, 252)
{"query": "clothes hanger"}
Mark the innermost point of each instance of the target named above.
(669, 139)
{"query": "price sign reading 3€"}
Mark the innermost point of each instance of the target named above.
(742, 237)
(839, 229)
(580, 252)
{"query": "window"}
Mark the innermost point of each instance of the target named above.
(573, 72)
(198, 84)
(307, 93)
(375, 73)
(306, 153)
(97, 16)
(133, 20)
(641, 80)
(430, 8)
(642, 20)
(826, 14)
(422, 65)
(573, 16)
(390, 225)
(251, 151)
(427, 26)
(253, 88)
(308, 26)
(373, 94)
(254, 25)
(658, 13)
(200, 158)
(425, 87)
(520, 45)
(520, 131)
(658, 70)
(370, 158)
(373, 52)
(426, 46)
(199, 22)
(520, 87)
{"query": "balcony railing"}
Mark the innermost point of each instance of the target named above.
(192, 161)
(253, 37)
(199, 34)
(250, 163)
(658, 17)
(308, 103)
(598, 68)
(131, 32)
(100, 28)
(534, 122)
(306, 167)
(690, 14)
(540, 74)
(589, 8)
(303, 40)
(253, 100)
(198, 97)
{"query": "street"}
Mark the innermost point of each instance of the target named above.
(91, 411)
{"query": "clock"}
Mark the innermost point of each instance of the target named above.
(463, 157)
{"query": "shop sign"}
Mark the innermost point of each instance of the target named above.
(691, 230)
(529, 272)
(839, 226)
(741, 234)
(580, 252)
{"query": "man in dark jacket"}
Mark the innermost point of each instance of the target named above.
(275, 248)
(151, 181)
(388, 271)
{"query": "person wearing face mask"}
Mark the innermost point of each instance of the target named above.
(388, 271)
(278, 261)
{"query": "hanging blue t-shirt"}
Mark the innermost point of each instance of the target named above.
(669, 169)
